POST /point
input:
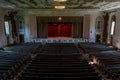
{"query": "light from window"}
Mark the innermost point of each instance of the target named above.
(7, 27)
(112, 28)
(98, 27)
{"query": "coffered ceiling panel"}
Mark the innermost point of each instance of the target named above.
(70, 4)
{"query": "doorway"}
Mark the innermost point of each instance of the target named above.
(21, 38)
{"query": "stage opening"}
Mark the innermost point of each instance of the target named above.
(59, 30)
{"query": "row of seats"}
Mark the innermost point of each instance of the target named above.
(109, 63)
(12, 59)
(94, 47)
(23, 47)
(59, 61)
(10, 64)
(105, 58)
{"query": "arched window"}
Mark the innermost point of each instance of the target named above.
(20, 24)
(7, 25)
(99, 24)
(112, 28)
(21, 28)
(99, 28)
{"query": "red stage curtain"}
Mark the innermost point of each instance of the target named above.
(60, 30)
(65, 30)
(52, 30)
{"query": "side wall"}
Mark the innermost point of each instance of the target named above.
(116, 37)
(86, 26)
(33, 26)
(89, 26)
(3, 41)
(92, 32)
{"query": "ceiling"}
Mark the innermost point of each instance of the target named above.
(70, 4)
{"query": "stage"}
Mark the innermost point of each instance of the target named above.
(59, 40)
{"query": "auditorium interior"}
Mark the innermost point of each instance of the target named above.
(59, 39)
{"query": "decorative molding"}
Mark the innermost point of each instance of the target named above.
(70, 4)
(54, 12)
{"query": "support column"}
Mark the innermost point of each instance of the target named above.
(105, 28)
(86, 27)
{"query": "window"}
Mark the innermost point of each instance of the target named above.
(7, 27)
(98, 28)
(112, 28)
(99, 24)
(20, 25)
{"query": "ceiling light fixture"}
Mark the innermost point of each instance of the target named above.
(60, 0)
(59, 18)
(59, 7)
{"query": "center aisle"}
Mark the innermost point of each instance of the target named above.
(59, 61)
